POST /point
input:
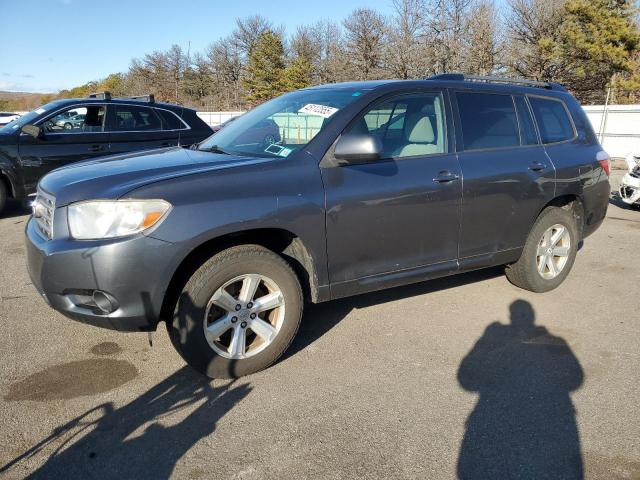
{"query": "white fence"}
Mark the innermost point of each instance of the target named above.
(216, 118)
(617, 127)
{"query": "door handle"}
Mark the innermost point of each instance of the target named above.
(537, 167)
(445, 177)
(96, 148)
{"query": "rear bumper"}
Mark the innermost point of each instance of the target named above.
(133, 272)
(596, 202)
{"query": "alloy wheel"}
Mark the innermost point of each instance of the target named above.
(244, 316)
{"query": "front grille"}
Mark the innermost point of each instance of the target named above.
(44, 208)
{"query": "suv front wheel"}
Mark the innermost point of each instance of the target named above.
(548, 253)
(238, 313)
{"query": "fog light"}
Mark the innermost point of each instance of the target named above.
(105, 302)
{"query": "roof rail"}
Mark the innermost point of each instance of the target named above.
(100, 96)
(143, 98)
(461, 77)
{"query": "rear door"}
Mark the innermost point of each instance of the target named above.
(136, 127)
(507, 175)
(402, 211)
(74, 134)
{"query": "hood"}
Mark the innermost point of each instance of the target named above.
(112, 177)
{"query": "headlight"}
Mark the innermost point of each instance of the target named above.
(108, 219)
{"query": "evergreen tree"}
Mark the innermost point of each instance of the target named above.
(264, 74)
(297, 74)
(599, 38)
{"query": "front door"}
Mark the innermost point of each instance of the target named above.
(74, 134)
(399, 212)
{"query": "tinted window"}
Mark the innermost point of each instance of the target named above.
(488, 120)
(169, 120)
(553, 120)
(132, 118)
(527, 129)
(408, 126)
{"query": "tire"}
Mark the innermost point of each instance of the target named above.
(68, 126)
(3, 195)
(525, 273)
(214, 358)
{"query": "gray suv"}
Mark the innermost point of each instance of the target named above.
(367, 185)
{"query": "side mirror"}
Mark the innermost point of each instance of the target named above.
(357, 148)
(35, 132)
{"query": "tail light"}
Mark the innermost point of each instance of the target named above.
(605, 161)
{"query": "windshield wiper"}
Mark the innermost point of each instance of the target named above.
(216, 149)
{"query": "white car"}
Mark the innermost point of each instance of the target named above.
(6, 117)
(630, 185)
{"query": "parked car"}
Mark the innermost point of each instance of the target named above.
(227, 241)
(70, 130)
(69, 123)
(215, 128)
(6, 117)
(630, 185)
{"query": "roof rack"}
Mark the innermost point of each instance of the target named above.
(143, 98)
(461, 77)
(100, 96)
(107, 96)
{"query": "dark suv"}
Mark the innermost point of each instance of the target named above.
(66, 131)
(369, 185)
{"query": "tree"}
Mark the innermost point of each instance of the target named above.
(248, 30)
(482, 46)
(402, 55)
(225, 58)
(264, 79)
(534, 28)
(599, 38)
(297, 74)
(365, 33)
(446, 34)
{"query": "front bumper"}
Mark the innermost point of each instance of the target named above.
(134, 272)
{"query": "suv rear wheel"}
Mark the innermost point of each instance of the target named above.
(549, 252)
(238, 313)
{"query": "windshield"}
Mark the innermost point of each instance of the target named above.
(27, 118)
(281, 126)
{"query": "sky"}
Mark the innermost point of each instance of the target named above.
(48, 45)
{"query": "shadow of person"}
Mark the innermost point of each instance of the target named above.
(524, 424)
(142, 439)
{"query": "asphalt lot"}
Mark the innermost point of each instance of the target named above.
(465, 376)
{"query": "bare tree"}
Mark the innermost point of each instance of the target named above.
(446, 34)
(248, 30)
(534, 28)
(177, 63)
(407, 26)
(482, 49)
(226, 59)
(364, 35)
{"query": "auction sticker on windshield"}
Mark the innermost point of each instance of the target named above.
(320, 110)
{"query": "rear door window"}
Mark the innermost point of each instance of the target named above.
(553, 120)
(488, 120)
(528, 134)
(129, 118)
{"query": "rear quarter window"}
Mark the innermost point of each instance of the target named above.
(554, 123)
(488, 120)
(169, 120)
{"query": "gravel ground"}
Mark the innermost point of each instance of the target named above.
(467, 376)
